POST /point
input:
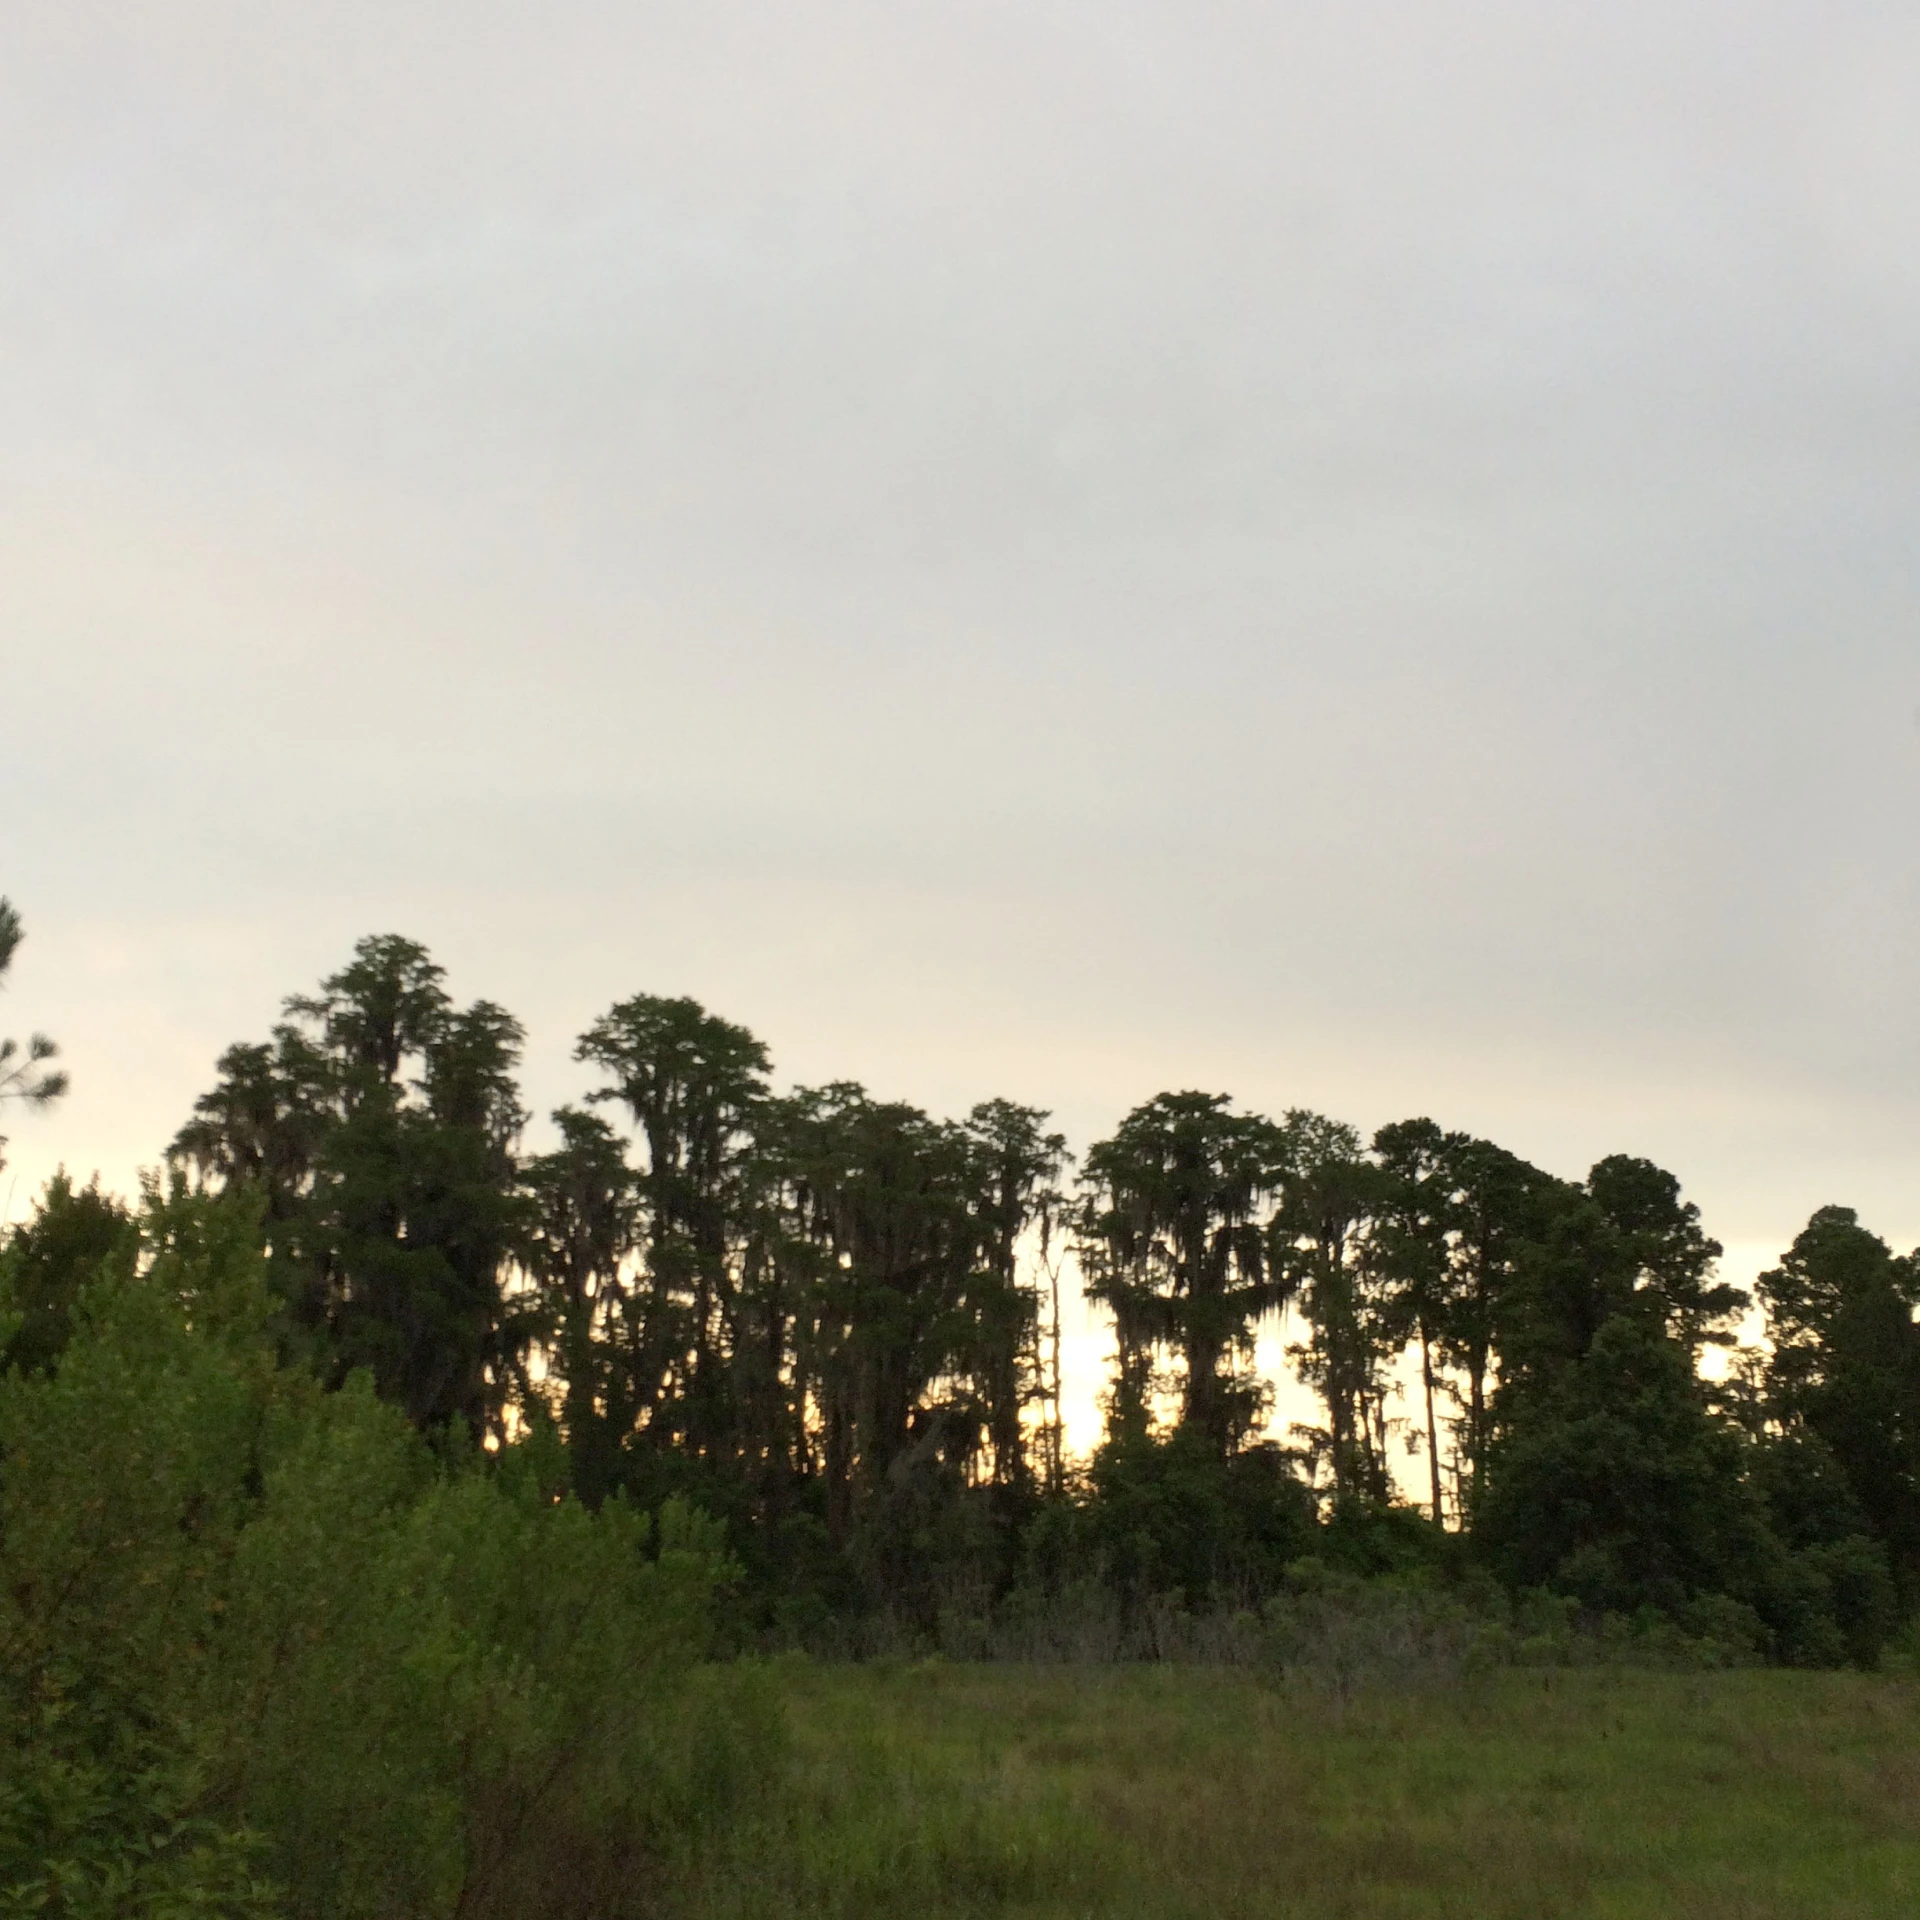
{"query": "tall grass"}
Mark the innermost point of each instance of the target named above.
(1172, 1793)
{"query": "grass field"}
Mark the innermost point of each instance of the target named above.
(1169, 1791)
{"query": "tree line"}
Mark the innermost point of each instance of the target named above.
(832, 1321)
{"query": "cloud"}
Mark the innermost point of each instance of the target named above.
(1361, 556)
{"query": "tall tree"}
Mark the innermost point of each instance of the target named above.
(1624, 1242)
(1496, 1200)
(1666, 1253)
(1412, 1251)
(1333, 1202)
(583, 1230)
(1013, 1167)
(1615, 1481)
(1844, 1371)
(877, 1193)
(1173, 1233)
(24, 1073)
(1452, 1219)
(381, 1121)
(695, 1086)
(46, 1261)
(1610, 1472)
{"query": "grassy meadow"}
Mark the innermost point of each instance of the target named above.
(1171, 1792)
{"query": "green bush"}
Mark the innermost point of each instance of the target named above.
(255, 1635)
(97, 1823)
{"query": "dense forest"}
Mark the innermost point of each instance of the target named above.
(730, 1369)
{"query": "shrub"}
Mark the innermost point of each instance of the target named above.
(255, 1633)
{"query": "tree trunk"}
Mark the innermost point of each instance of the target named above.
(1433, 1430)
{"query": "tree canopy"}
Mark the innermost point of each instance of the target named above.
(832, 1320)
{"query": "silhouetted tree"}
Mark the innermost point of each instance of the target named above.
(24, 1073)
(1333, 1201)
(694, 1085)
(833, 1321)
(1412, 1252)
(583, 1230)
(1609, 1473)
(877, 1192)
(1617, 1484)
(381, 1122)
(1173, 1232)
(1011, 1176)
(1843, 1380)
(47, 1260)
(1496, 1198)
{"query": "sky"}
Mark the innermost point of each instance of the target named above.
(1364, 558)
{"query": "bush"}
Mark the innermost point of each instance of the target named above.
(96, 1823)
(254, 1634)
(1341, 1633)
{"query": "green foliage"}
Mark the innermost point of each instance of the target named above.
(1614, 1482)
(369, 1512)
(98, 1823)
(1337, 1208)
(914, 1329)
(378, 1122)
(832, 1323)
(44, 1264)
(1170, 1515)
(254, 1633)
(1173, 1235)
(1843, 1380)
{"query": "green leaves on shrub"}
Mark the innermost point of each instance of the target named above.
(254, 1635)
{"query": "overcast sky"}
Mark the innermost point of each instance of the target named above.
(1364, 557)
